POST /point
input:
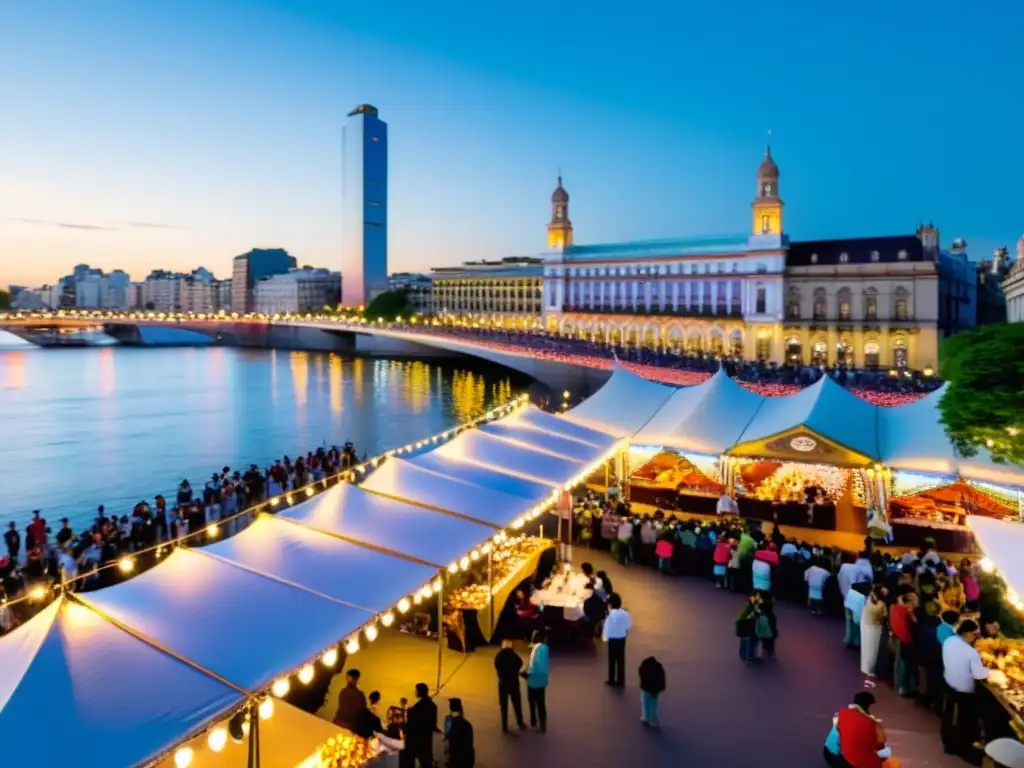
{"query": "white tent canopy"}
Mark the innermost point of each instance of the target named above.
(502, 455)
(706, 418)
(824, 408)
(562, 447)
(246, 628)
(399, 479)
(349, 511)
(1002, 542)
(323, 563)
(485, 477)
(76, 690)
(623, 405)
(532, 416)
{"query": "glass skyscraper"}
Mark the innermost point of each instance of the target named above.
(364, 251)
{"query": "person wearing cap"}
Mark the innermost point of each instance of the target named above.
(458, 735)
(1005, 753)
(962, 668)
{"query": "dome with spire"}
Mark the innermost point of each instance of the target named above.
(768, 168)
(559, 195)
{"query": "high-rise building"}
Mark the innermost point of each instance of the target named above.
(364, 251)
(250, 267)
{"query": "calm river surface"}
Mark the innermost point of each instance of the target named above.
(82, 427)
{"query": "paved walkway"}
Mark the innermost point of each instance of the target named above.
(716, 711)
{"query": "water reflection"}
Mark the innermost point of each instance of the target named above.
(298, 362)
(13, 366)
(336, 383)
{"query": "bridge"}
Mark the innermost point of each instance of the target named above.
(324, 333)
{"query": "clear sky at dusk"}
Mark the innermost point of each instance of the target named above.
(150, 134)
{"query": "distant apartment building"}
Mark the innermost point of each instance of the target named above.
(1013, 287)
(249, 268)
(133, 296)
(364, 252)
(299, 290)
(202, 293)
(161, 291)
(419, 288)
(505, 292)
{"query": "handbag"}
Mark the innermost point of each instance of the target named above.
(763, 628)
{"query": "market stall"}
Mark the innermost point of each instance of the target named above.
(674, 481)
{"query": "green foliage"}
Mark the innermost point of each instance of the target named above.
(388, 305)
(5, 300)
(984, 401)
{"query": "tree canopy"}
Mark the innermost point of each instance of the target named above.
(388, 305)
(5, 300)
(983, 405)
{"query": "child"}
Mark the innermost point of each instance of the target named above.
(652, 683)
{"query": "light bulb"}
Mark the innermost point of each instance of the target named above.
(403, 605)
(266, 708)
(387, 619)
(426, 592)
(371, 633)
(464, 563)
(126, 564)
(352, 646)
(453, 568)
(437, 584)
(474, 555)
(987, 565)
(280, 687)
(212, 529)
(306, 674)
(217, 739)
(37, 593)
(330, 657)
(417, 598)
(183, 757)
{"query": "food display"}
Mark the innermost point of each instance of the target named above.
(507, 560)
(671, 470)
(1005, 658)
(344, 752)
(950, 504)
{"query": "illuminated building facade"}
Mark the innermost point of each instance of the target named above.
(1013, 287)
(364, 250)
(504, 293)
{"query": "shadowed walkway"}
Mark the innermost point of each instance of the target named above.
(716, 711)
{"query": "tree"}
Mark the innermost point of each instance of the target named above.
(388, 305)
(5, 300)
(983, 405)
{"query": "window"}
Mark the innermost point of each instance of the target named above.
(762, 300)
(793, 308)
(705, 297)
(871, 352)
(901, 255)
(766, 225)
(900, 356)
(764, 346)
(814, 258)
(844, 300)
(720, 307)
(874, 256)
(844, 258)
(736, 299)
(794, 352)
(844, 353)
(901, 305)
(820, 304)
(870, 304)
(819, 353)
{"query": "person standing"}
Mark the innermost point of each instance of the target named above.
(13, 541)
(871, 630)
(616, 628)
(420, 727)
(458, 733)
(508, 665)
(351, 702)
(962, 667)
(652, 683)
(536, 675)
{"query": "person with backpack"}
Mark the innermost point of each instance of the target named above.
(746, 629)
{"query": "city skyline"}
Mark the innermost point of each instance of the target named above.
(176, 137)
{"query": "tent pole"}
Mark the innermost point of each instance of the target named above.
(440, 629)
(254, 719)
(490, 588)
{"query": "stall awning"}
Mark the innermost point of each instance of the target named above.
(534, 417)
(323, 563)
(1001, 542)
(246, 628)
(821, 423)
(75, 690)
(707, 418)
(622, 406)
(530, 490)
(490, 451)
(559, 446)
(349, 511)
(402, 480)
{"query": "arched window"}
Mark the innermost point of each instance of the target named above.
(871, 353)
(844, 300)
(870, 304)
(900, 355)
(736, 343)
(762, 300)
(820, 304)
(716, 345)
(901, 304)
(794, 352)
(844, 353)
(793, 304)
(819, 353)
(763, 349)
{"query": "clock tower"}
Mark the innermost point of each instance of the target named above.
(559, 228)
(767, 205)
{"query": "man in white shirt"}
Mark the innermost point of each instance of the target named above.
(863, 568)
(854, 605)
(962, 667)
(616, 628)
(846, 577)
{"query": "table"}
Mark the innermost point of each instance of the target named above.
(565, 591)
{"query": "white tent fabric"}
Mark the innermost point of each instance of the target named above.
(706, 418)
(485, 477)
(532, 416)
(490, 451)
(540, 440)
(338, 569)
(407, 482)
(623, 405)
(242, 626)
(1002, 542)
(825, 408)
(349, 511)
(911, 437)
(75, 690)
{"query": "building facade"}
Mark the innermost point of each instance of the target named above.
(250, 268)
(364, 255)
(419, 289)
(300, 290)
(1013, 287)
(505, 293)
(202, 293)
(161, 291)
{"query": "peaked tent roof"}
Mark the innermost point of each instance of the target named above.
(70, 669)
(1001, 541)
(548, 442)
(485, 477)
(242, 626)
(407, 482)
(323, 563)
(824, 408)
(349, 511)
(532, 416)
(623, 405)
(490, 451)
(706, 418)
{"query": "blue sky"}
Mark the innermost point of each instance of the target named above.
(169, 134)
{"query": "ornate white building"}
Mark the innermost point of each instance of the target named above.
(1013, 287)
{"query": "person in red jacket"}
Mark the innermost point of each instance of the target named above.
(861, 737)
(721, 557)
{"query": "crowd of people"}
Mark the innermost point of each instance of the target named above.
(913, 619)
(686, 367)
(85, 559)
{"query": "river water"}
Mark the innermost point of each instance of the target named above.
(83, 427)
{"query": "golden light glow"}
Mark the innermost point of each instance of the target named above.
(437, 584)
(352, 646)
(403, 605)
(474, 555)
(371, 633)
(453, 568)
(37, 593)
(183, 757)
(306, 674)
(266, 708)
(217, 739)
(987, 565)
(212, 530)
(387, 619)
(281, 687)
(464, 563)
(126, 565)
(330, 658)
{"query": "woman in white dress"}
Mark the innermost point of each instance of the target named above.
(871, 628)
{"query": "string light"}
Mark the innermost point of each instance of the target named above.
(126, 565)
(306, 674)
(212, 530)
(453, 568)
(330, 657)
(37, 593)
(217, 739)
(280, 687)
(437, 584)
(266, 708)
(403, 605)
(352, 646)
(464, 563)
(183, 757)
(987, 565)
(387, 619)
(371, 633)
